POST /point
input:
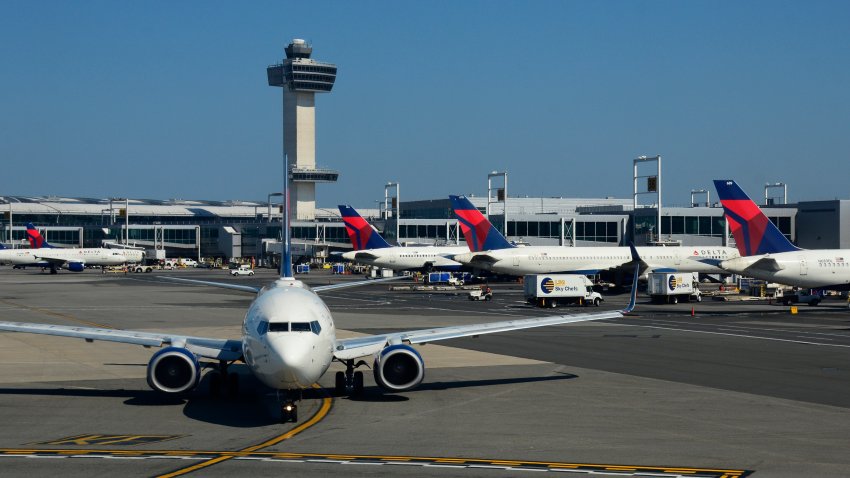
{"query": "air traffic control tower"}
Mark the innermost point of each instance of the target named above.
(301, 78)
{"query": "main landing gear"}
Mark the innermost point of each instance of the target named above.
(350, 380)
(223, 382)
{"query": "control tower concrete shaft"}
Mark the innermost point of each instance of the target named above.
(301, 78)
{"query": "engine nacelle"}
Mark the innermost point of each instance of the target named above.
(399, 368)
(174, 370)
(76, 266)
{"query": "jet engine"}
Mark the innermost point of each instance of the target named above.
(174, 370)
(398, 368)
(76, 266)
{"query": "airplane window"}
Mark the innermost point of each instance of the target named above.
(262, 327)
(300, 327)
(278, 327)
(315, 327)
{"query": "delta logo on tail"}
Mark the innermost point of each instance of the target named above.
(361, 233)
(754, 233)
(480, 235)
(36, 239)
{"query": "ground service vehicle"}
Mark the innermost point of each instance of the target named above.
(670, 288)
(552, 290)
(794, 296)
(243, 270)
(484, 293)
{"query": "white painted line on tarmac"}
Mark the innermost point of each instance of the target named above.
(736, 335)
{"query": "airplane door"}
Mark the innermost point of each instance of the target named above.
(804, 268)
(516, 261)
(677, 258)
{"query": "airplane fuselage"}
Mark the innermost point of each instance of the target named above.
(813, 269)
(288, 336)
(96, 256)
(403, 258)
(591, 260)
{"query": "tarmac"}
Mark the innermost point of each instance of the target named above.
(693, 389)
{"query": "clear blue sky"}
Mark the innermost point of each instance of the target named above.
(169, 99)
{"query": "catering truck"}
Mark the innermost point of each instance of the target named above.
(552, 290)
(670, 288)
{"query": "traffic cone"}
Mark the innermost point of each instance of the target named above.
(692, 311)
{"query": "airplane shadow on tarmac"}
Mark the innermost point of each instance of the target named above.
(377, 394)
(256, 405)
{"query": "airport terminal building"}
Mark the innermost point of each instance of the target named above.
(244, 229)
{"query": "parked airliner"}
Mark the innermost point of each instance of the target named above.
(489, 250)
(767, 254)
(288, 341)
(42, 254)
(371, 249)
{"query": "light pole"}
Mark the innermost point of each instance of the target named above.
(694, 192)
(396, 205)
(653, 186)
(271, 195)
(501, 196)
(784, 187)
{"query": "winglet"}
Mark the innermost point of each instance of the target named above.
(633, 295)
(633, 249)
(479, 233)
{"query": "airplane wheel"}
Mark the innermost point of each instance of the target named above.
(215, 384)
(357, 387)
(339, 383)
(233, 385)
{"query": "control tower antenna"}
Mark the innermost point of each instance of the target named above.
(301, 78)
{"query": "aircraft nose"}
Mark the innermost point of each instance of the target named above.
(295, 359)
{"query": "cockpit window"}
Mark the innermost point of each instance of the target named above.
(279, 327)
(315, 327)
(262, 327)
(300, 327)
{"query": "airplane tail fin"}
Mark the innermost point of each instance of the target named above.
(479, 233)
(361, 233)
(37, 241)
(754, 233)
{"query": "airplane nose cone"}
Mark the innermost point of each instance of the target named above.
(295, 360)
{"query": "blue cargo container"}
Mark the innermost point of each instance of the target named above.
(302, 269)
(338, 269)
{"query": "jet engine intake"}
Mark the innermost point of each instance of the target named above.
(399, 368)
(174, 370)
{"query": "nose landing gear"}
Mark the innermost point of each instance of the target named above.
(288, 406)
(350, 379)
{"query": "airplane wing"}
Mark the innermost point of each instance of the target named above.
(348, 349)
(365, 256)
(484, 258)
(219, 349)
(57, 261)
(256, 290)
(766, 264)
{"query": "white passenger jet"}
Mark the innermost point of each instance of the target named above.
(489, 250)
(371, 249)
(289, 340)
(767, 254)
(42, 254)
